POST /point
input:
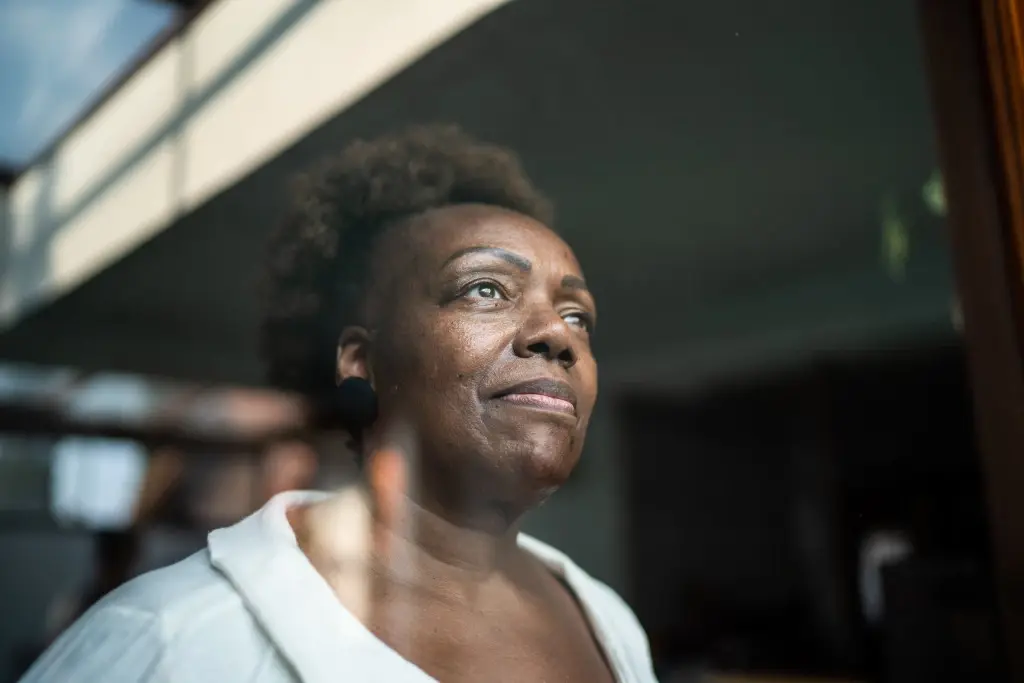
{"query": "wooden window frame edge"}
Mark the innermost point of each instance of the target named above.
(975, 63)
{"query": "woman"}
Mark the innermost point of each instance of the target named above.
(419, 288)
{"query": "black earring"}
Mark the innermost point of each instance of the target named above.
(356, 403)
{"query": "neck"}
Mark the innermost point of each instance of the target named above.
(422, 534)
(415, 546)
(416, 543)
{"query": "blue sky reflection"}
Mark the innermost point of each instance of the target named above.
(55, 58)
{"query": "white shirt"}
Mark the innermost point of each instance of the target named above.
(250, 608)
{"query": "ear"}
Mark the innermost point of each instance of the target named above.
(353, 355)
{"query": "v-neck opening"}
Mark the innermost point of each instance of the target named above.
(281, 586)
(351, 625)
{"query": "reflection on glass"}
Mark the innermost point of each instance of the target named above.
(96, 482)
(55, 58)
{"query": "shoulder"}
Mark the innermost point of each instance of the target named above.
(619, 628)
(137, 633)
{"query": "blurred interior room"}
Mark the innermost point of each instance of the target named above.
(797, 217)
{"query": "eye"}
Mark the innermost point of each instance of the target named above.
(581, 320)
(484, 290)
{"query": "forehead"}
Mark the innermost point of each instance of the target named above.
(440, 233)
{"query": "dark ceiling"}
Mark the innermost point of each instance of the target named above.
(697, 152)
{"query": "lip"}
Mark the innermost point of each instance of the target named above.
(542, 393)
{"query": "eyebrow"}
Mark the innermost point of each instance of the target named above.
(516, 260)
(574, 282)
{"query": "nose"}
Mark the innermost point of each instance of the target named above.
(546, 334)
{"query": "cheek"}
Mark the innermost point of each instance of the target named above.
(586, 371)
(443, 354)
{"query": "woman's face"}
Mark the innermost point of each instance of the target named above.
(482, 349)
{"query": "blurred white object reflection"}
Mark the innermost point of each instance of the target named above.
(879, 549)
(96, 481)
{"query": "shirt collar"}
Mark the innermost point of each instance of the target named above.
(293, 603)
(301, 614)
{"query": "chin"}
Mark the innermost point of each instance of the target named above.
(514, 460)
(544, 464)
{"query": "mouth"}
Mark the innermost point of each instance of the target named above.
(541, 394)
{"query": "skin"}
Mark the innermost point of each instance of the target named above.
(466, 302)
